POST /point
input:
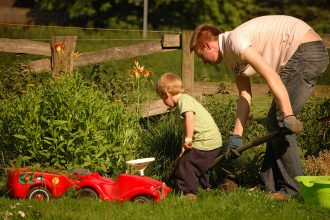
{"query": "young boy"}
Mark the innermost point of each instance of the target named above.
(202, 136)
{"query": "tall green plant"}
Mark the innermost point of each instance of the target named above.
(162, 139)
(109, 80)
(66, 124)
(141, 80)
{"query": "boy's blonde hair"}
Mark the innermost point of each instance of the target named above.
(170, 83)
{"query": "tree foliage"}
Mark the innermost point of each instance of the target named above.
(176, 14)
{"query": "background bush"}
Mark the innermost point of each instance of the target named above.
(15, 80)
(245, 169)
(66, 124)
(316, 134)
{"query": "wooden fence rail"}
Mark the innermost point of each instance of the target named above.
(61, 56)
(80, 59)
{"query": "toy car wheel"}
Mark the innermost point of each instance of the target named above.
(39, 193)
(142, 199)
(87, 194)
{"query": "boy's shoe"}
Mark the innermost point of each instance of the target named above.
(278, 196)
(191, 196)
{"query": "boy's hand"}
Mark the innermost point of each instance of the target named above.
(187, 142)
(183, 149)
(188, 145)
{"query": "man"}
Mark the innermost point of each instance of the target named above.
(290, 56)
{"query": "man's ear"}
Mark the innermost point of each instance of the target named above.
(207, 45)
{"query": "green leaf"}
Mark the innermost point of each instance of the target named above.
(25, 158)
(19, 136)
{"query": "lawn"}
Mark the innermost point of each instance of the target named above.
(215, 204)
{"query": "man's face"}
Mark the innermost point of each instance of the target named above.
(209, 52)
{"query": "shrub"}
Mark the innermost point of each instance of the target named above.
(65, 124)
(315, 136)
(223, 110)
(15, 80)
(318, 166)
(245, 169)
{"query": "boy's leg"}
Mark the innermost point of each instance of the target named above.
(205, 163)
(192, 168)
(186, 173)
(282, 162)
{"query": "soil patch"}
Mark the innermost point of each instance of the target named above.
(228, 185)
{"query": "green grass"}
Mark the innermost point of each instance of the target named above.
(240, 204)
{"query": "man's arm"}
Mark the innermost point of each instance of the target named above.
(243, 104)
(272, 78)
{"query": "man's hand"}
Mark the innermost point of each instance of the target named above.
(292, 123)
(234, 142)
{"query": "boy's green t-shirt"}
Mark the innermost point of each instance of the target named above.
(206, 134)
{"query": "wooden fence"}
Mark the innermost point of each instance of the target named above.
(62, 57)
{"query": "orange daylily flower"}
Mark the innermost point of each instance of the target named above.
(139, 70)
(59, 48)
(147, 73)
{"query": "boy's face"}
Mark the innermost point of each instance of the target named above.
(168, 100)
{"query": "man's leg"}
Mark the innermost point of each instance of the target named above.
(282, 163)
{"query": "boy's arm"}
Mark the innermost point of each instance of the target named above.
(189, 118)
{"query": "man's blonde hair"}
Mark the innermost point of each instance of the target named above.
(170, 83)
(204, 32)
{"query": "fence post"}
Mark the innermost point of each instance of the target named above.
(62, 54)
(187, 61)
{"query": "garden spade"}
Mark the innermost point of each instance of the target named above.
(255, 142)
(260, 140)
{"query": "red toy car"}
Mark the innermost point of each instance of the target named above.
(32, 184)
(125, 187)
(28, 183)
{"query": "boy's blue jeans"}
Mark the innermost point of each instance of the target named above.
(281, 161)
